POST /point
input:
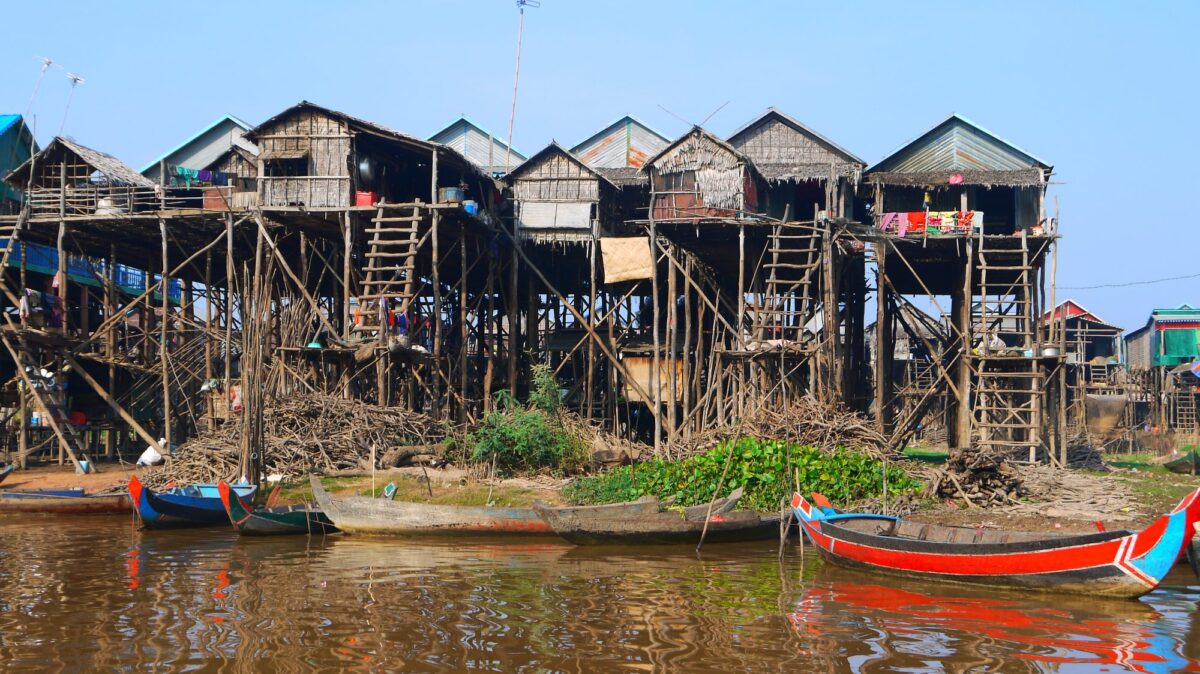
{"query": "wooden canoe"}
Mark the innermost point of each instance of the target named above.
(196, 505)
(1187, 464)
(1110, 563)
(601, 524)
(64, 502)
(377, 516)
(297, 519)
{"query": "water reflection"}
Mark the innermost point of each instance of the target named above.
(862, 624)
(96, 594)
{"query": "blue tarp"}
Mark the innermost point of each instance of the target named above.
(44, 260)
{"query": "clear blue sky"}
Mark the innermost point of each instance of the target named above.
(1105, 91)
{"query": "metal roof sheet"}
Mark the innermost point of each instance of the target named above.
(624, 143)
(196, 136)
(958, 144)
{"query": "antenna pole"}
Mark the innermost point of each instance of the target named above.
(516, 77)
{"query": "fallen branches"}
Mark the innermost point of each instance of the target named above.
(304, 433)
(978, 479)
(807, 421)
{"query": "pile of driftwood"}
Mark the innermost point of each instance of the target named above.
(980, 479)
(305, 433)
(806, 421)
(605, 448)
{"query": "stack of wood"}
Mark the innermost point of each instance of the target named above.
(806, 421)
(979, 479)
(307, 433)
(605, 448)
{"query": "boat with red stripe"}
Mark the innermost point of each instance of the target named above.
(1110, 563)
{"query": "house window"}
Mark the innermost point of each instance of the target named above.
(286, 167)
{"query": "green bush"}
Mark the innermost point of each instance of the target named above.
(528, 438)
(762, 467)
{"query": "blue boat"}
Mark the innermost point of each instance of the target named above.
(195, 505)
(7, 469)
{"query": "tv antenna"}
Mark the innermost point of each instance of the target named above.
(76, 80)
(521, 5)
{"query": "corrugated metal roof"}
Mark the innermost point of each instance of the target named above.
(8, 120)
(957, 144)
(232, 121)
(625, 143)
(477, 144)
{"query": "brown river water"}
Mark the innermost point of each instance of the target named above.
(96, 594)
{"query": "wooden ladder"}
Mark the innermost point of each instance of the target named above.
(791, 270)
(1004, 307)
(1006, 408)
(1185, 411)
(391, 264)
(48, 407)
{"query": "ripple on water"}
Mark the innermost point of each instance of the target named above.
(89, 594)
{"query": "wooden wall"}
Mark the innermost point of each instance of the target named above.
(326, 142)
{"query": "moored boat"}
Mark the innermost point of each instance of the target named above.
(1110, 563)
(1188, 463)
(191, 506)
(592, 525)
(63, 502)
(290, 519)
(378, 516)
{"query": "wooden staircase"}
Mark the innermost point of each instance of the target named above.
(788, 304)
(1185, 411)
(1009, 388)
(391, 263)
(48, 405)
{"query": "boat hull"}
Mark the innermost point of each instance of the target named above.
(599, 526)
(281, 520)
(168, 510)
(381, 517)
(1118, 564)
(766, 528)
(106, 504)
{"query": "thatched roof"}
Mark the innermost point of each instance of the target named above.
(552, 148)
(112, 168)
(783, 149)
(625, 176)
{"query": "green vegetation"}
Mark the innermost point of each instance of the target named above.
(928, 454)
(762, 467)
(528, 438)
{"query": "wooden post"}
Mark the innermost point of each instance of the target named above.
(347, 253)
(962, 317)
(207, 336)
(229, 274)
(436, 323)
(513, 304)
(672, 343)
(110, 309)
(656, 372)
(164, 325)
(462, 325)
(591, 354)
(883, 339)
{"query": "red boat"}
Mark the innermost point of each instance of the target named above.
(1111, 563)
